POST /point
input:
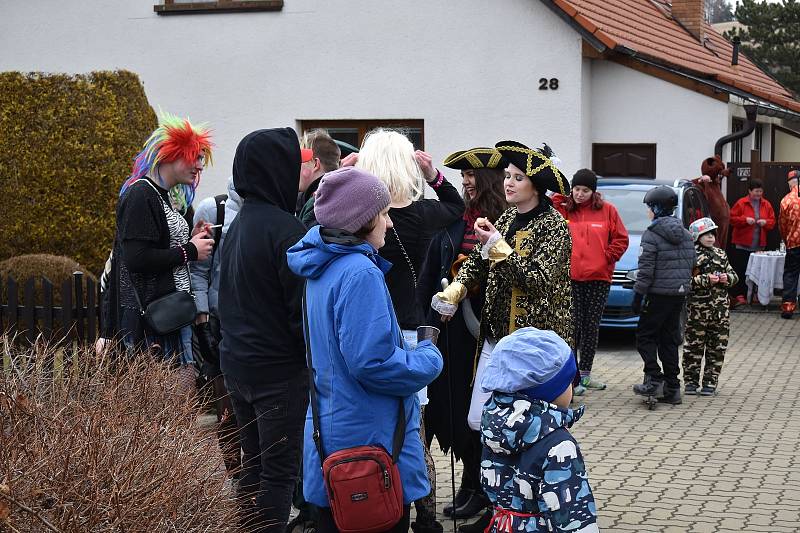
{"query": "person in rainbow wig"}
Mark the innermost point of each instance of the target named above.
(153, 245)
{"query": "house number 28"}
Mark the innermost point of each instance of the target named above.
(545, 84)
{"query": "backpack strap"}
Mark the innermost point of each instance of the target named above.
(220, 201)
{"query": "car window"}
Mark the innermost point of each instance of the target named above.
(629, 204)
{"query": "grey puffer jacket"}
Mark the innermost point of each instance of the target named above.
(666, 259)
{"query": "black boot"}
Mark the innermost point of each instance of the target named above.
(478, 526)
(476, 503)
(671, 396)
(462, 496)
(426, 527)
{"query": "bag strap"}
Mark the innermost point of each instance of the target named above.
(399, 428)
(220, 200)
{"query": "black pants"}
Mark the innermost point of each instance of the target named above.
(589, 300)
(271, 417)
(791, 270)
(471, 462)
(658, 337)
(739, 259)
(327, 525)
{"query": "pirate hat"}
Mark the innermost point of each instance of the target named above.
(537, 166)
(475, 158)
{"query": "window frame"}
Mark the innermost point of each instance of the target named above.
(364, 126)
(652, 158)
(171, 7)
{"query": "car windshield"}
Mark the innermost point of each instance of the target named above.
(629, 204)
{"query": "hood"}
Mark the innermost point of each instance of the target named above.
(310, 257)
(234, 200)
(516, 422)
(670, 228)
(266, 167)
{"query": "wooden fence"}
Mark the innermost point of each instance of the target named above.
(72, 320)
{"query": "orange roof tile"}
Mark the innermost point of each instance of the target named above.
(646, 27)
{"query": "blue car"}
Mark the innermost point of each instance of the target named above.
(627, 195)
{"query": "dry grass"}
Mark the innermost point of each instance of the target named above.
(104, 445)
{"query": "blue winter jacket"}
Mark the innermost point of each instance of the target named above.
(532, 464)
(362, 368)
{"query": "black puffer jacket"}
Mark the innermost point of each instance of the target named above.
(666, 259)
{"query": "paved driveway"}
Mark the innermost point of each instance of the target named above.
(727, 463)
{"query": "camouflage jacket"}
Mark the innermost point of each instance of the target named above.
(531, 287)
(705, 295)
(531, 465)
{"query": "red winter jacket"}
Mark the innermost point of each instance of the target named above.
(742, 231)
(599, 239)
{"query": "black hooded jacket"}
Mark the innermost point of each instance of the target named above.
(259, 297)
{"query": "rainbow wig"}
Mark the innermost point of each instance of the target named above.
(175, 138)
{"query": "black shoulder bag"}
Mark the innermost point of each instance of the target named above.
(172, 311)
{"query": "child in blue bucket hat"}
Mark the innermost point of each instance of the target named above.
(532, 469)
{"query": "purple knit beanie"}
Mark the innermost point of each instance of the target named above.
(348, 198)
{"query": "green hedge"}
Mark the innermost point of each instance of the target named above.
(67, 144)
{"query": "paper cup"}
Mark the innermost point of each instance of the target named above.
(427, 333)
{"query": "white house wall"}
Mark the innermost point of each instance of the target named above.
(631, 107)
(468, 68)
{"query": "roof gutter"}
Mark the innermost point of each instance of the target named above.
(764, 107)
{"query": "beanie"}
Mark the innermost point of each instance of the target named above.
(535, 362)
(585, 177)
(348, 198)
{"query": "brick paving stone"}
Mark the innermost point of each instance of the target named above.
(728, 463)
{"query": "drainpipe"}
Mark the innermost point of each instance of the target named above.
(751, 110)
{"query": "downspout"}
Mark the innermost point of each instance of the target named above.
(751, 110)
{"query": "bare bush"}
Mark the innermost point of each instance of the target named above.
(104, 444)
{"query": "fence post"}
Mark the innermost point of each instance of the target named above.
(12, 306)
(29, 310)
(91, 311)
(47, 309)
(78, 284)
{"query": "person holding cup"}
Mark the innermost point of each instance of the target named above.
(523, 260)
(361, 365)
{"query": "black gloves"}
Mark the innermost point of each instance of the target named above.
(209, 349)
(637, 303)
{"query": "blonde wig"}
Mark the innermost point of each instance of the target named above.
(389, 155)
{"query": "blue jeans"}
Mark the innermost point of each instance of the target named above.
(271, 418)
(176, 347)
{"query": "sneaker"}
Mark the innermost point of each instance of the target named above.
(671, 396)
(649, 387)
(578, 390)
(690, 389)
(590, 383)
(708, 391)
(787, 309)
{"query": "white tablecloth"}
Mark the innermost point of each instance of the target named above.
(764, 272)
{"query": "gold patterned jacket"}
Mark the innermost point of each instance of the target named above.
(529, 287)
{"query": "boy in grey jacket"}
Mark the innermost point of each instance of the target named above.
(663, 281)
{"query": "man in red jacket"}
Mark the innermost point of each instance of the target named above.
(790, 231)
(599, 239)
(751, 218)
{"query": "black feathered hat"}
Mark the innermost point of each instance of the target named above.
(536, 165)
(475, 158)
